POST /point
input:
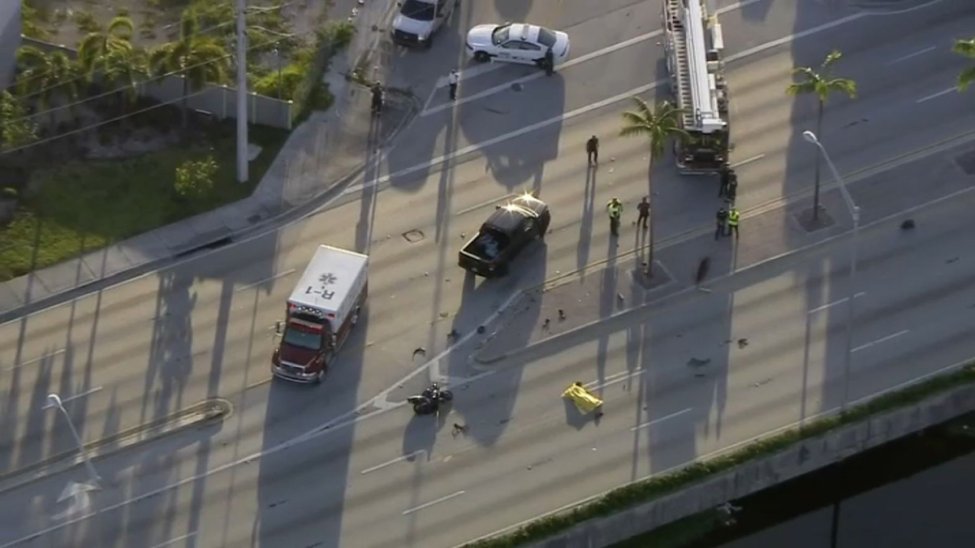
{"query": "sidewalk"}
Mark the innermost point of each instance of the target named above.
(325, 151)
(886, 194)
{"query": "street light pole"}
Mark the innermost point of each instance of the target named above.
(242, 175)
(855, 214)
(54, 400)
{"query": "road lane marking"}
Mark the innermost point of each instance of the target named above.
(927, 98)
(173, 541)
(357, 414)
(912, 55)
(661, 419)
(76, 396)
(748, 160)
(469, 72)
(584, 109)
(834, 303)
(535, 75)
(409, 511)
(394, 461)
(266, 280)
(880, 340)
(33, 361)
(707, 457)
(485, 203)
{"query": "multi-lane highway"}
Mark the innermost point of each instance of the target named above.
(203, 328)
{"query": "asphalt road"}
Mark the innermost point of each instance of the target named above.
(204, 328)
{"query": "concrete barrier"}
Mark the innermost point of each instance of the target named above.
(801, 458)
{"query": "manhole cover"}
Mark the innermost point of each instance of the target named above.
(517, 86)
(966, 162)
(413, 236)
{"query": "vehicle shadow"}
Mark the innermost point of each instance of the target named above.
(517, 162)
(486, 411)
(306, 484)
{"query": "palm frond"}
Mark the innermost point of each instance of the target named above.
(966, 78)
(831, 58)
(965, 48)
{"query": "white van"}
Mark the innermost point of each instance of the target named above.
(419, 19)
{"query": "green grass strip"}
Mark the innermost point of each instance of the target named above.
(649, 489)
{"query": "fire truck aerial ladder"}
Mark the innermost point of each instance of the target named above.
(693, 44)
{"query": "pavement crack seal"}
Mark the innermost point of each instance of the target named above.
(204, 413)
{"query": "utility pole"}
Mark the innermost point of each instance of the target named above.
(242, 166)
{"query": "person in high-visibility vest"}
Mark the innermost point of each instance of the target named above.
(615, 209)
(733, 217)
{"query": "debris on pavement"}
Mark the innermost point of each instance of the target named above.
(419, 351)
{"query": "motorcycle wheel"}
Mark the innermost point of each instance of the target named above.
(446, 395)
(423, 408)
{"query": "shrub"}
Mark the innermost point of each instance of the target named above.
(194, 178)
(86, 22)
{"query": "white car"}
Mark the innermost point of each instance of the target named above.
(516, 43)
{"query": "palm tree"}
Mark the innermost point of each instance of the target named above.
(658, 125)
(123, 70)
(46, 75)
(820, 83)
(117, 36)
(965, 48)
(200, 59)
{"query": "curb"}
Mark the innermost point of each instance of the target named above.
(204, 413)
(663, 300)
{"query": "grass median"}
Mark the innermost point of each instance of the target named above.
(82, 206)
(683, 531)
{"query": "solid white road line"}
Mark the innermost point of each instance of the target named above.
(661, 419)
(394, 461)
(485, 203)
(173, 541)
(834, 303)
(748, 160)
(912, 55)
(432, 502)
(535, 75)
(266, 280)
(75, 397)
(927, 98)
(33, 361)
(880, 340)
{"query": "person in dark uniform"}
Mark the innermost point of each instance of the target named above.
(644, 213)
(549, 61)
(725, 174)
(732, 192)
(592, 150)
(377, 98)
(722, 220)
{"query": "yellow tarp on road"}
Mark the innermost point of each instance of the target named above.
(584, 400)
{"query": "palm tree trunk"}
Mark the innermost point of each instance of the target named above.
(650, 223)
(819, 129)
(186, 103)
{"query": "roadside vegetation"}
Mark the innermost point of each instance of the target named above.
(122, 163)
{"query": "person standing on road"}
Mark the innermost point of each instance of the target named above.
(592, 150)
(732, 192)
(725, 174)
(733, 217)
(644, 208)
(722, 219)
(549, 61)
(615, 210)
(452, 80)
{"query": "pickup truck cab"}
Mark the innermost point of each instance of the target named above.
(503, 235)
(418, 20)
